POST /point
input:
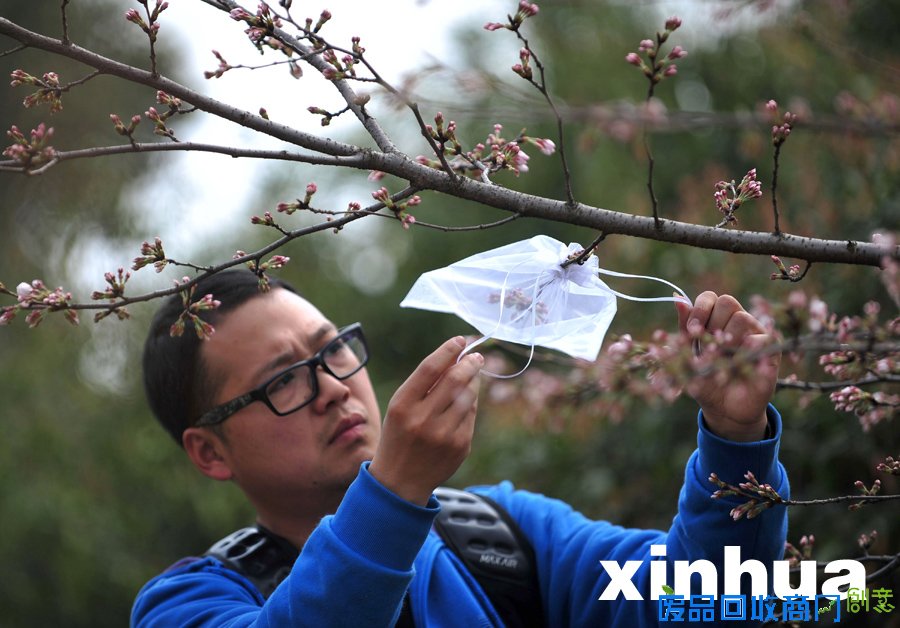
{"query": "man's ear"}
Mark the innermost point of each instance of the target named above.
(205, 449)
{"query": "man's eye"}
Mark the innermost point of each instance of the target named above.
(335, 347)
(283, 381)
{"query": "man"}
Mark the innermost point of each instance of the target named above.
(279, 402)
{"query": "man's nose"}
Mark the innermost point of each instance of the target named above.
(331, 390)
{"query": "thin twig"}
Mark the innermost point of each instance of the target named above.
(583, 255)
(891, 562)
(13, 50)
(481, 227)
(828, 386)
(775, 188)
(356, 161)
(836, 500)
(81, 81)
(542, 88)
(65, 22)
(650, 163)
(414, 107)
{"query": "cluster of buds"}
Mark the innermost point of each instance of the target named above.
(120, 127)
(844, 364)
(326, 115)
(151, 254)
(173, 106)
(867, 491)
(783, 126)
(49, 90)
(517, 300)
(866, 541)
(730, 196)
(811, 312)
(267, 220)
(653, 370)
(504, 154)
(870, 407)
(795, 555)
(383, 196)
(762, 496)
(873, 490)
(276, 262)
(545, 145)
(338, 68)
(115, 289)
(509, 155)
(191, 313)
(260, 26)
(526, 10)
(357, 48)
(151, 26)
(889, 466)
(445, 137)
(224, 66)
(31, 151)
(315, 28)
(37, 299)
(849, 364)
(290, 208)
(523, 69)
(655, 66)
(864, 357)
(494, 154)
(792, 274)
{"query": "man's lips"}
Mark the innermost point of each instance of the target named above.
(345, 425)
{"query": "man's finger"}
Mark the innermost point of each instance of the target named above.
(702, 310)
(725, 308)
(430, 370)
(460, 380)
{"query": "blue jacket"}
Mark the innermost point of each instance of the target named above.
(358, 563)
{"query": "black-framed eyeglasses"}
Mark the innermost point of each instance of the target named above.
(298, 385)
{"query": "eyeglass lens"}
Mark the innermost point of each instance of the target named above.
(296, 386)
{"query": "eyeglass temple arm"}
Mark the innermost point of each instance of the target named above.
(220, 413)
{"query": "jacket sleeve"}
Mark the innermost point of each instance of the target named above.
(353, 571)
(569, 547)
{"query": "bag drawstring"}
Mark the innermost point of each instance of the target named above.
(680, 297)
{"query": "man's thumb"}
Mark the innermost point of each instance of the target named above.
(683, 309)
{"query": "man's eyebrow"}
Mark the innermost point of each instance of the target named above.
(321, 332)
(287, 358)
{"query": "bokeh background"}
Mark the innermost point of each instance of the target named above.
(94, 497)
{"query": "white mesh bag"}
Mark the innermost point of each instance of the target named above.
(521, 293)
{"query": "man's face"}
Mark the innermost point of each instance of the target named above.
(306, 455)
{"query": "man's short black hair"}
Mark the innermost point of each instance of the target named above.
(179, 387)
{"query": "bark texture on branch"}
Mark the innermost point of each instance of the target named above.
(424, 178)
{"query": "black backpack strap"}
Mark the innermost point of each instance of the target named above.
(476, 528)
(257, 554)
(496, 552)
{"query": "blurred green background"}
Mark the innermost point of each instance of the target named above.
(94, 497)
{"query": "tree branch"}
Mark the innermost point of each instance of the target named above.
(360, 161)
(204, 103)
(525, 205)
